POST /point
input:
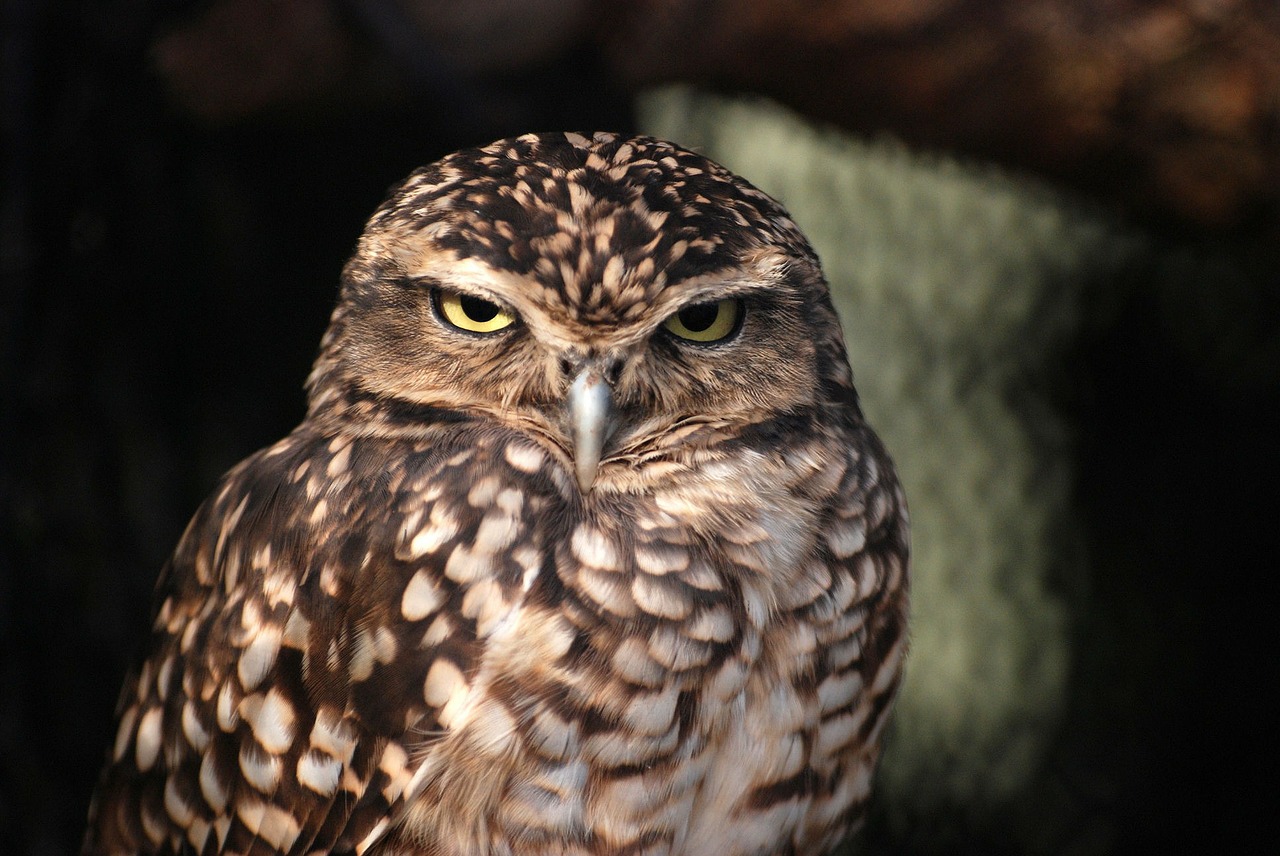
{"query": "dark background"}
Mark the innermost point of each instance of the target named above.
(182, 183)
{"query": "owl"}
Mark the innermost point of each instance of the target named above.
(583, 547)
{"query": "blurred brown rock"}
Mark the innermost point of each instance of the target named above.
(1169, 109)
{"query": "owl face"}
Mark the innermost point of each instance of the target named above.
(618, 299)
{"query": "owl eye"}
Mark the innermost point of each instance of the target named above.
(706, 322)
(473, 314)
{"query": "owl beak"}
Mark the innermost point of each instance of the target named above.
(591, 417)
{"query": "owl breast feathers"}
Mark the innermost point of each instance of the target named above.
(583, 546)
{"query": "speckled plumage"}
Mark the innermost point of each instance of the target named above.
(418, 625)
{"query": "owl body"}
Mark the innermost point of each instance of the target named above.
(584, 546)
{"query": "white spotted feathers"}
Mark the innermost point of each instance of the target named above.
(432, 621)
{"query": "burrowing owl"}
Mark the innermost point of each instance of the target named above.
(583, 547)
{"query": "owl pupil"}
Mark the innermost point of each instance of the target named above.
(700, 316)
(478, 310)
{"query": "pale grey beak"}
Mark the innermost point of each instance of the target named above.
(591, 417)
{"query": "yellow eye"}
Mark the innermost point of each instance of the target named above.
(472, 314)
(706, 322)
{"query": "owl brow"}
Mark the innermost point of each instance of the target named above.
(428, 282)
(741, 287)
(727, 289)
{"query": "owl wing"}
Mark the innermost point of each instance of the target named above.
(311, 627)
(859, 623)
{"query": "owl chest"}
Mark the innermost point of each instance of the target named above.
(641, 708)
(639, 689)
(694, 763)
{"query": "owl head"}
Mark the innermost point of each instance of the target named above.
(623, 301)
